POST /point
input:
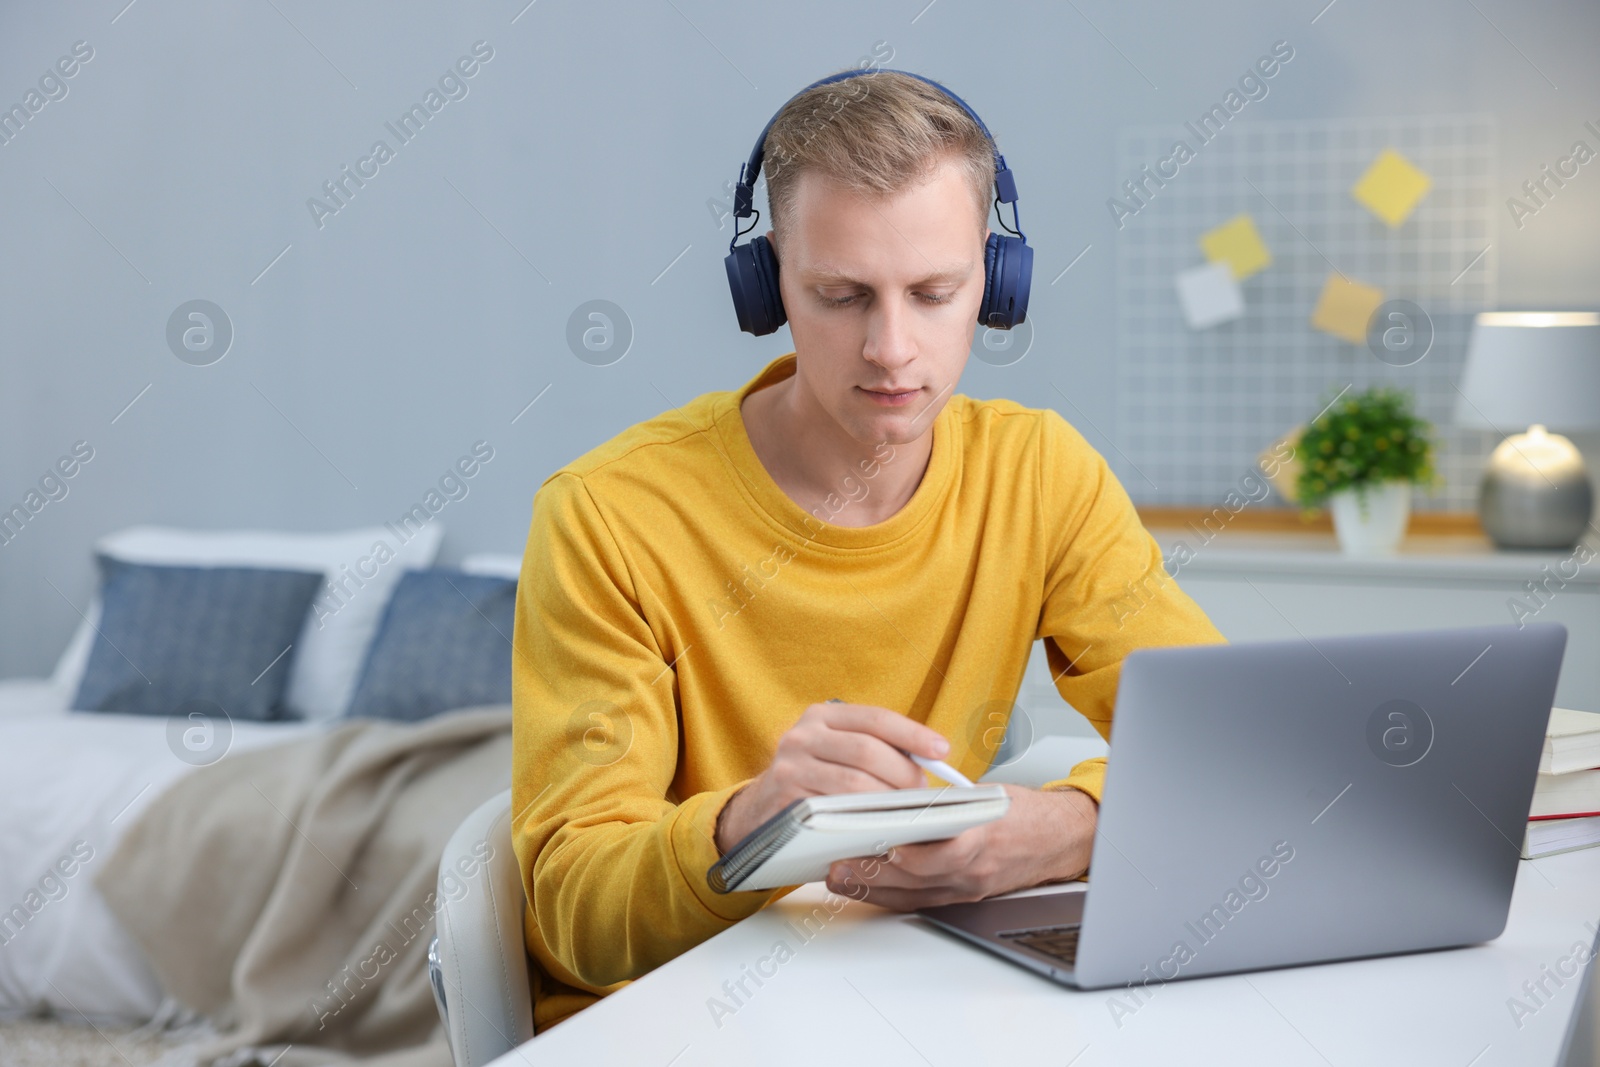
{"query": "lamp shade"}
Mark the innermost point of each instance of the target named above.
(1526, 367)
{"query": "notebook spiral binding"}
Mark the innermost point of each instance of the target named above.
(726, 874)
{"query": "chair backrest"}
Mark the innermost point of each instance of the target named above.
(481, 971)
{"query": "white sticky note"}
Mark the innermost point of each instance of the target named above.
(1209, 295)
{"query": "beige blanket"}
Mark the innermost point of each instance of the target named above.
(288, 893)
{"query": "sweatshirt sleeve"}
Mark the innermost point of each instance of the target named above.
(1107, 591)
(613, 865)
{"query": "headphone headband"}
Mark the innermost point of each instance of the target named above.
(743, 194)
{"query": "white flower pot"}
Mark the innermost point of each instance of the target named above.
(1373, 527)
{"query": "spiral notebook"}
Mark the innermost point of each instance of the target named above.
(798, 844)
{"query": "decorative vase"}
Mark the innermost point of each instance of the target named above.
(1375, 525)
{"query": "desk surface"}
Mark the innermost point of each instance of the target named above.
(873, 986)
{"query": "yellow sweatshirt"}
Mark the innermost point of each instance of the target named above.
(677, 612)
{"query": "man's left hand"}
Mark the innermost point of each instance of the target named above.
(1045, 836)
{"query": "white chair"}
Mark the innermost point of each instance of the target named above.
(477, 963)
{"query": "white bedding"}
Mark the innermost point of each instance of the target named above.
(70, 784)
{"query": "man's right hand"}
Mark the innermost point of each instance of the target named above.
(833, 748)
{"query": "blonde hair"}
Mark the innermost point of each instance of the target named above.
(877, 134)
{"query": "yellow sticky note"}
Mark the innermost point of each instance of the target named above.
(1237, 244)
(1344, 308)
(1391, 187)
(1280, 462)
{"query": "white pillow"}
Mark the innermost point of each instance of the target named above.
(493, 564)
(340, 624)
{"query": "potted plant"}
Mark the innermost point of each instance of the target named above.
(1360, 458)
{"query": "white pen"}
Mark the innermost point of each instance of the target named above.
(937, 766)
(942, 769)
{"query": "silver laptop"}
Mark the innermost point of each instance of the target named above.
(1275, 804)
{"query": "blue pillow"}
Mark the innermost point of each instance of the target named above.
(444, 643)
(172, 634)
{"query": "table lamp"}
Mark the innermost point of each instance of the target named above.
(1539, 369)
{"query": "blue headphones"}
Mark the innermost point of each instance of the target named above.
(753, 268)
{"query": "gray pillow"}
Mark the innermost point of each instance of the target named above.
(173, 634)
(444, 643)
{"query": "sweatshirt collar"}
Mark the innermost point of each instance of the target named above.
(812, 527)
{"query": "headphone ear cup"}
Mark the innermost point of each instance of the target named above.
(753, 280)
(766, 261)
(991, 249)
(1007, 278)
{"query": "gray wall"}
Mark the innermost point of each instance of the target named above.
(427, 312)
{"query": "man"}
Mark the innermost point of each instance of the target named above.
(845, 525)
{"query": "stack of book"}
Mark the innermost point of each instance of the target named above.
(1566, 802)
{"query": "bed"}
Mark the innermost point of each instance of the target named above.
(74, 781)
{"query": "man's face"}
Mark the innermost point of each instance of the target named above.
(882, 295)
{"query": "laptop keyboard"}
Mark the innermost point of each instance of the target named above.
(1057, 942)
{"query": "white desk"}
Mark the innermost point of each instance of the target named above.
(877, 987)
